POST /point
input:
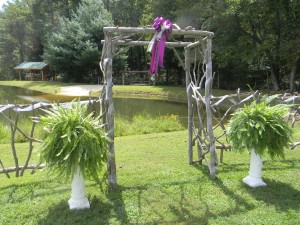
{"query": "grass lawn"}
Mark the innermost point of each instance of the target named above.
(157, 186)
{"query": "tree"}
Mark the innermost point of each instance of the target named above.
(74, 49)
(15, 42)
(258, 35)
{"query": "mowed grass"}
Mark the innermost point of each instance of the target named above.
(157, 186)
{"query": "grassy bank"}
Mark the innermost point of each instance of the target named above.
(154, 92)
(46, 87)
(172, 93)
(157, 186)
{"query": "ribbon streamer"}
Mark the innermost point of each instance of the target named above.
(157, 45)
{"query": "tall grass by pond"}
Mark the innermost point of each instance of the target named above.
(140, 124)
(144, 124)
(25, 125)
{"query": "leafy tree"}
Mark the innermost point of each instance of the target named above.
(25, 25)
(15, 42)
(75, 48)
(255, 35)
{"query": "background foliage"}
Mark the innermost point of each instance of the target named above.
(256, 42)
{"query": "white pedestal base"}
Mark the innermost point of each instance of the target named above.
(78, 199)
(254, 182)
(254, 178)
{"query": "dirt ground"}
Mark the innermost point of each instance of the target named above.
(79, 90)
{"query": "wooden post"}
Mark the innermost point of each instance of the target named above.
(208, 89)
(190, 104)
(111, 164)
(42, 75)
(20, 75)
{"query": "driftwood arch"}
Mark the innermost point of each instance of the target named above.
(195, 42)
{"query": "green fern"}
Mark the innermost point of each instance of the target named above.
(261, 127)
(74, 140)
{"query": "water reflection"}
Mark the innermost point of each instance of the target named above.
(127, 107)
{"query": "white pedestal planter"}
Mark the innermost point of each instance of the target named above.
(254, 178)
(78, 199)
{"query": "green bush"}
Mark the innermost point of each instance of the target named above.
(74, 140)
(260, 127)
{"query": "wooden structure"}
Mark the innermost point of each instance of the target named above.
(32, 66)
(197, 43)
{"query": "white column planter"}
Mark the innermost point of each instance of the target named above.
(78, 199)
(254, 178)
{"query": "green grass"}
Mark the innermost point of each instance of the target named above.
(157, 186)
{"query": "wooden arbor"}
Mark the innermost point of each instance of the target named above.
(197, 64)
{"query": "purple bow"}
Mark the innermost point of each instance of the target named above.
(163, 29)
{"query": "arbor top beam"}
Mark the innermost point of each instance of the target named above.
(144, 43)
(149, 30)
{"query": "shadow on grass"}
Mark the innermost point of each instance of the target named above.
(280, 195)
(99, 213)
(146, 206)
(23, 192)
(116, 199)
(240, 206)
(183, 210)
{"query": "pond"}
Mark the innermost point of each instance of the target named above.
(124, 107)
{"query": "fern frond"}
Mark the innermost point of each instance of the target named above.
(75, 139)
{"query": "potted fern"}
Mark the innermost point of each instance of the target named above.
(75, 147)
(260, 128)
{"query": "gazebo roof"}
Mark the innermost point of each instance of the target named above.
(31, 66)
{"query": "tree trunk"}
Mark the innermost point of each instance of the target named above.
(254, 178)
(293, 75)
(274, 77)
(78, 199)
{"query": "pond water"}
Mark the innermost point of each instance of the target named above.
(124, 107)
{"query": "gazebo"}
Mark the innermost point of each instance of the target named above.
(32, 66)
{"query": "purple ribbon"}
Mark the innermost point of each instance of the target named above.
(163, 29)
